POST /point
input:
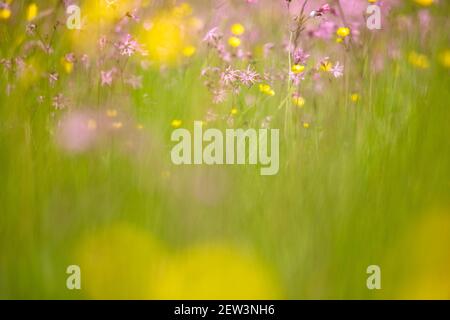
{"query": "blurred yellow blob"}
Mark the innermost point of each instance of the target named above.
(167, 37)
(176, 123)
(5, 14)
(427, 252)
(32, 11)
(234, 42)
(354, 97)
(418, 60)
(298, 101)
(237, 29)
(445, 58)
(119, 262)
(326, 66)
(298, 68)
(67, 65)
(343, 32)
(106, 11)
(189, 51)
(424, 3)
(216, 272)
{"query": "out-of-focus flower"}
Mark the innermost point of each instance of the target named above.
(212, 36)
(237, 29)
(58, 102)
(164, 40)
(234, 111)
(117, 125)
(176, 123)
(343, 32)
(77, 132)
(229, 76)
(266, 89)
(324, 9)
(325, 64)
(134, 81)
(248, 77)
(53, 77)
(120, 262)
(300, 56)
(217, 272)
(418, 60)
(354, 97)
(298, 100)
(424, 3)
(445, 58)
(5, 13)
(128, 46)
(189, 51)
(234, 42)
(219, 96)
(325, 30)
(111, 113)
(67, 64)
(337, 70)
(106, 77)
(298, 68)
(32, 11)
(425, 257)
(31, 29)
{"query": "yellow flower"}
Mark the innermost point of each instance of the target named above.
(343, 32)
(418, 60)
(354, 97)
(216, 272)
(176, 123)
(445, 58)
(67, 65)
(119, 262)
(234, 42)
(183, 10)
(265, 88)
(298, 68)
(189, 51)
(339, 40)
(32, 11)
(5, 14)
(234, 111)
(372, 1)
(326, 66)
(237, 29)
(424, 3)
(298, 101)
(117, 125)
(306, 125)
(111, 113)
(92, 124)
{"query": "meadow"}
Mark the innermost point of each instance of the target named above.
(86, 177)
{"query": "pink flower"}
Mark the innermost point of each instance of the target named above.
(229, 76)
(325, 30)
(107, 77)
(212, 37)
(128, 46)
(219, 96)
(337, 70)
(76, 132)
(134, 81)
(249, 77)
(300, 57)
